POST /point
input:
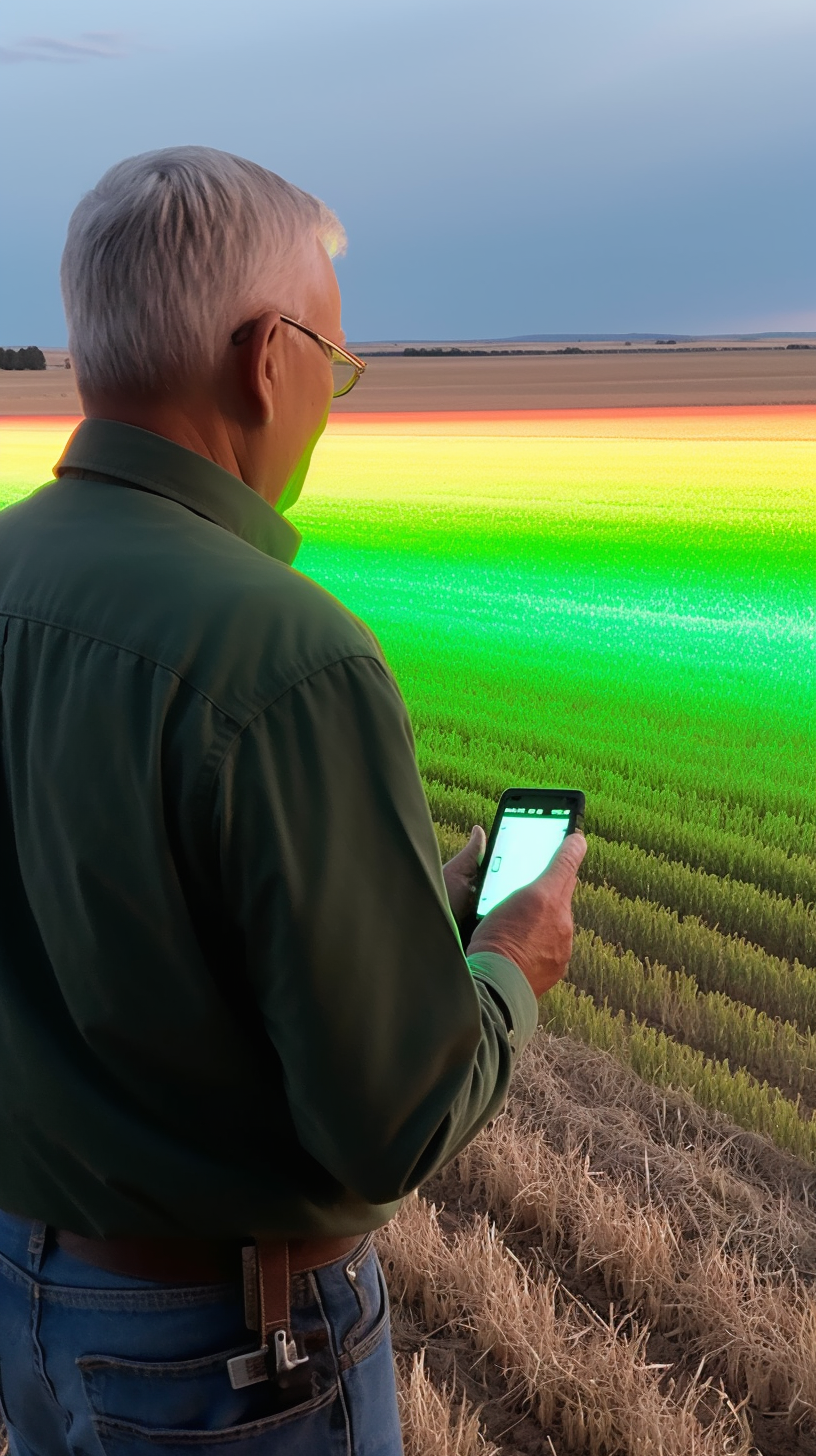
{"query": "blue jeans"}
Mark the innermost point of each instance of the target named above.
(99, 1364)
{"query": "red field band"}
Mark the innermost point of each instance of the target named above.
(568, 416)
(30, 445)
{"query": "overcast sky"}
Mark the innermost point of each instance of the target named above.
(528, 166)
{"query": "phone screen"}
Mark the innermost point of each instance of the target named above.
(525, 843)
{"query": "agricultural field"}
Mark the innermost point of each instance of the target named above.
(624, 1260)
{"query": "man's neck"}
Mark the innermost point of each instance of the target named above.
(197, 427)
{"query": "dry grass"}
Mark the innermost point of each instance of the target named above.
(614, 1264)
(715, 1177)
(429, 1425)
(572, 1369)
(757, 1330)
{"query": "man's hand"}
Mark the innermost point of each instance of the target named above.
(534, 925)
(460, 875)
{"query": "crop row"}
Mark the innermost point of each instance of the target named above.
(782, 927)
(659, 1059)
(717, 962)
(718, 851)
(700, 846)
(639, 779)
(727, 963)
(708, 1020)
(777, 808)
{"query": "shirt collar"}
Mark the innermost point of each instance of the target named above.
(127, 455)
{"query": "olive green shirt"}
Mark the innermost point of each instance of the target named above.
(233, 997)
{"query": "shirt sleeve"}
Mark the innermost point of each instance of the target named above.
(395, 1050)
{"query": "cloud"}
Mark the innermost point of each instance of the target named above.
(103, 45)
(792, 321)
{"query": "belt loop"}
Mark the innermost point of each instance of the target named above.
(274, 1303)
(36, 1245)
(273, 1287)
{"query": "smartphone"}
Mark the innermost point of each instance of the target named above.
(527, 830)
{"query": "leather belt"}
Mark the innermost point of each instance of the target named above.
(198, 1261)
(265, 1266)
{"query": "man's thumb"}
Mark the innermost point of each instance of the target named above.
(478, 842)
(572, 849)
(566, 861)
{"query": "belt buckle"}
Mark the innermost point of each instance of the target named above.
(287, 1358)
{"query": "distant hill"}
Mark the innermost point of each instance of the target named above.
(644, 338)
(549, 342)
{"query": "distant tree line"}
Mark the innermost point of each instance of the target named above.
(439, 353)
(31, 358)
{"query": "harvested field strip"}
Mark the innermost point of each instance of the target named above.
(757, 1331)
(577, 1374)
(708, 1020)
(454, 1372)
(657, 1058)
(630, 818)
(785, 928)
(717, 962)
(714, 1177)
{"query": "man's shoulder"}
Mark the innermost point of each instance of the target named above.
(163, 584)
(284, 626)
(268, 624)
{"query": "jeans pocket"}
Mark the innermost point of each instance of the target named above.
(141, 1406)
(364, 1274)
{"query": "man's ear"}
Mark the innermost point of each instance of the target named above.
(262, 370)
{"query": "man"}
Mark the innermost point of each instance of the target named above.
(237, 1024)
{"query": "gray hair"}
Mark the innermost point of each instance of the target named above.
(170, 252)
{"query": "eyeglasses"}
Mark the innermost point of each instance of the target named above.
(346, 367)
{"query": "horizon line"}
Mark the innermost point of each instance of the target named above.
(587, 337)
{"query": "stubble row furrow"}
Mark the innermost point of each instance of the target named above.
(756, 1329)
(659, 1059)
(587, 1377)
